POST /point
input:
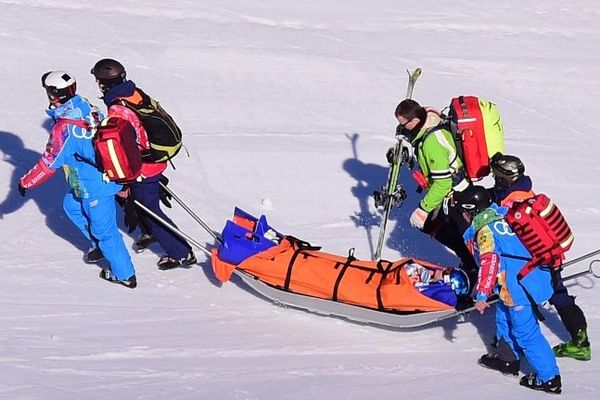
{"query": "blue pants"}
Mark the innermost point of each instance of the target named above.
(147, 193)
(519, 328)
(72, 207)
(98, 217)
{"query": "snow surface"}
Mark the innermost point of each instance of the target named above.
(287, 108)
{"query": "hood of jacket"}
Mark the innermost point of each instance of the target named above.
(491, 214)
(433, 120)
(124, 89)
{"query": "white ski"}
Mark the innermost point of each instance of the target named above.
(393, 194)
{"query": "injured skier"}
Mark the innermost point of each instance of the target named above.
(441, 285)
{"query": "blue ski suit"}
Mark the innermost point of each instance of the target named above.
(516, 324)
(90, 203)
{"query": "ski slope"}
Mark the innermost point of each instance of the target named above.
(287, 109)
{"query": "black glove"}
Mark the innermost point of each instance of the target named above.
(399, 130)
(131, 219)
(390, 155)
(22, 190)
(163, 194)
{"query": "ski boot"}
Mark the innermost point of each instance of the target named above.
(143, 242)
(492, 361)
(107, 275)
(166, 262)
(579, 348)
(94, 256)
(553, 385)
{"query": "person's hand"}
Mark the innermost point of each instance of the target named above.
(163, 195)
(22, 190)
(131, 219)
(481, 306)
(418, 217)
(389, 155)
(124, 193)
(408, 152)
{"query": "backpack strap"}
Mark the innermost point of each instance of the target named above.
(77, 122)
(429, 131)
(444, 124)
(82, 124)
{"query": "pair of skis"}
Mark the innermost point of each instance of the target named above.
(392, 194)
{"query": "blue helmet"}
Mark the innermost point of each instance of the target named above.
(459, 281)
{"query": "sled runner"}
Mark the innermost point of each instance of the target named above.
(342, 310)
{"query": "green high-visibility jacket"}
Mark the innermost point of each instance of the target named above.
(437, 156)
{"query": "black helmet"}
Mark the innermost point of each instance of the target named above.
(506, 169)
(472, 200)
(59, 85)
(108, 73)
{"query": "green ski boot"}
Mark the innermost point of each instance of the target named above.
(578, 349)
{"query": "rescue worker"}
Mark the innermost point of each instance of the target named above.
(90, 203)
(517, 327)
(443, 171)
(117, 92)
(512, 185)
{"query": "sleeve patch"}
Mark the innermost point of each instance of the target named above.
(485, 240)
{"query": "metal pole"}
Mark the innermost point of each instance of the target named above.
(588, 271)
(172, 228)
(583, 257)
(192, 213)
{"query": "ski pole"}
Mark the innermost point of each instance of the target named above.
(192, 213)
(172, 228)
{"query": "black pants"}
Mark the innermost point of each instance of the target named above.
(448, 230)
(570, 314)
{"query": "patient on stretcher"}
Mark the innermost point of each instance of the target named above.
(444, 285)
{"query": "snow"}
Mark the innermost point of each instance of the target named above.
(287, 109)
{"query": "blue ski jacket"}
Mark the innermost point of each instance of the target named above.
(489, 233)
(70, 146)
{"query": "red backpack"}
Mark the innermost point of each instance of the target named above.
(115, 144)
(542, 229)
(477, 129)
(117, 152)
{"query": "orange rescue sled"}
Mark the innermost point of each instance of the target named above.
(283, 266)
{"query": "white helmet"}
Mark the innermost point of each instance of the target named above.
(59, 85)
